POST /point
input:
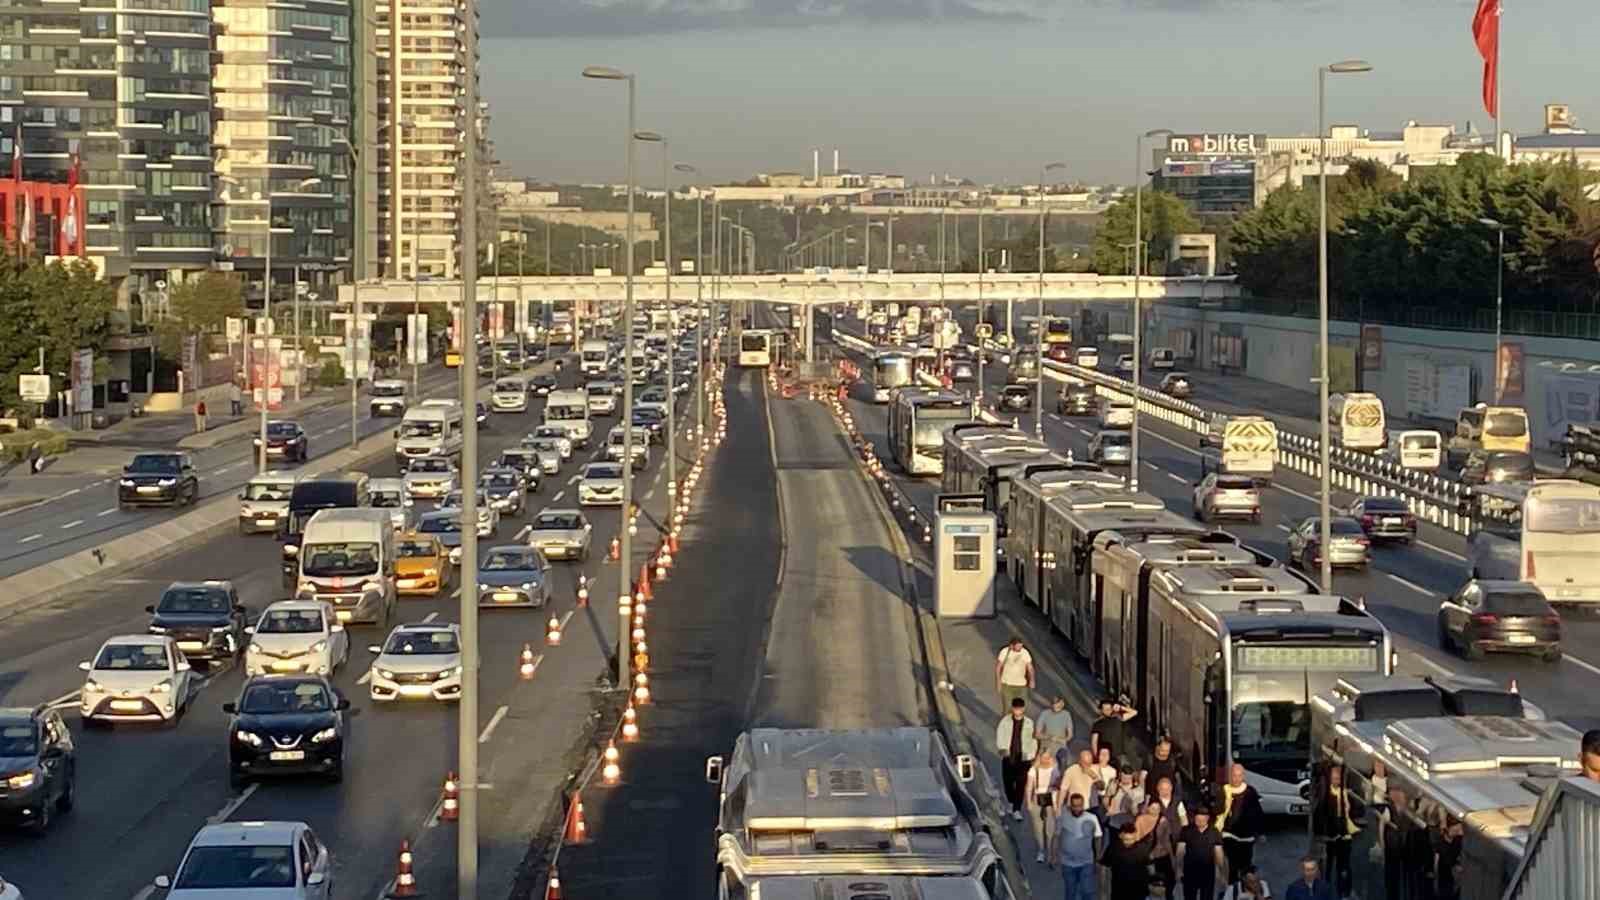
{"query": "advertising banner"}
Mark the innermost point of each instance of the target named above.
(1568, 399)
(1509, 378)
(1435, 391)
(1372, 348)
(34, 388)
(266, 371)
(417, 338)
(83, 380)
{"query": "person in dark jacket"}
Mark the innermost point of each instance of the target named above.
(1127, 859)
(1242, 822)
(1336, 815)
(1310, 886)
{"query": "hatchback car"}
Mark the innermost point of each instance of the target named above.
(38, 767)
(1509, 616)
(421, 565)
(1496, 467)
(158, 479)
(390, 494)
(514, 575)
(542, 385)
(561, 534)
(654, 421)
(264, 501)
(136, 678)
(1111, 448)
(418, 662)
(1016, 398)
(653, 397)
(204, 617)
(600, 485)
(639, 446)
(297, 636)
(1176, 385)
(510, 395)
(556, 433)
(444, 526)
(504, 490)
(286, 725)
(286, 440)
(429, 477)
(1351, 546)
(258, 860)
(602, 398)
(1218, 496)
(1385, 518)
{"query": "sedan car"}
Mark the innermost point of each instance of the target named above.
(1502, 616)
(421, 565)
(390, 494)
(600, 484)
(652, 420)
(136, 678)
(38, 768)
(258, 860)
(295, 636)
(526, 462)
(429, 477)
(1496, 467)
(420, 662)
(158, 479)
(488, 516)
(205, 618)
(1351, 546)
(653, 397)
(1016, 398)
(602, 398)
(555, 433)
(1078, 399)
(1218, 496)
(514, 575)
(444, 526)
(639, 446)
(542, 385)
(1111, 448)
(504, 489)
(286, 725)
(1176, 384)
(1385, 518)
(286, 440)
(561, 534)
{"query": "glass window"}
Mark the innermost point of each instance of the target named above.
(237, 867)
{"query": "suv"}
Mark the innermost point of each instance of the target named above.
(204, 617)
(158, 479)
(39, 772)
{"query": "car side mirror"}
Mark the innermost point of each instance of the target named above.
(230, 707)
(374, 648)
(85, 666)
(249, 629)
(315, 878)
(162, 881)
(966, 767)
(588, 527)
(183, 666)
(343, 704)
(714, 769)
(150, 609)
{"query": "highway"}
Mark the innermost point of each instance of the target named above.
(146, 791)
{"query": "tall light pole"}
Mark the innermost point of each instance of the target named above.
(1038, 344)
(666, 255)
(1138, 305)
(1499, 294)
(1325, 511)
(699, 302)
(624, 589)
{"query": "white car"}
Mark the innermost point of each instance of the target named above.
(388, 397)
(602, 398)
(1116, 413)
(1125, 364)
(555, 433)
(429, 477)
(136, 678)
(510, 395)
(488, 516)
(549, 450)
(561, 534)
(418, 662)
(390, 494)
(600, 484)
(640, 446)
(252, 861)
(297, 636)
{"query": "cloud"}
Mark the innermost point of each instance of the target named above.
(622, 18)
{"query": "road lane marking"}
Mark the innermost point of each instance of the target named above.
(1178, 478)
(1282, 527)
(105, 512)
(71, 492)
(573, 480)
(558, 496)
(434, 615)
(565, 619)
(494, 722)
(31, 537)
(73, 524)
(1582, 664)
(65, 700)
(232, 806)
(145, 892)
(1442, 551)
(365, 677)
(1410, 584)
(1422, 658)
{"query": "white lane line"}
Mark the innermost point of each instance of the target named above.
(73, 524)
(494, 722)
(573, 480)
(1410, 584)
(1289, 490)
(1582, 664)
(1282, 527)
(1442, 551)
(65, 700)
(365, 677)
(1422, 658)
(105, 512)
(233, 805)
(523, 533)
(71, 492)
(433, 615)
(145, 892)
(566, 618)
(649, 492)
(558, 496)
(31, 537)
(1178, 478)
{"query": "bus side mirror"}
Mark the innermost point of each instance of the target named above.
(966, 768)
(714, 769)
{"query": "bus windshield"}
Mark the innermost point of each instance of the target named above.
(1507, 424)
(752, 342)
(566, 412)
(420, 428)
(1562, 515)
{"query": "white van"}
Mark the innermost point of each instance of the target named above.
(510, 395)
(595, 357)
(1356, 421)
(428, 430)
(1163, 358)
(1419, 449)
(347, 559)
(264, 501)
(569, 410)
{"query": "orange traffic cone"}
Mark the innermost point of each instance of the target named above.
(583, 590)
(641, 689)
(552, 631)
(405, 883)
(616, 550)
(672, 543)
(577, 829)
(644, 592)
(611, 771)
(630, 724)
(552, 887)
(450, 809)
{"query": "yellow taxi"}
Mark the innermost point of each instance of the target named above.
(452, 359)
(422, 565)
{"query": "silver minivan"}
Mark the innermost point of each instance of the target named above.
(264, 501)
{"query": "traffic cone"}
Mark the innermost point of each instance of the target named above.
(1513, 687)
(611, 771)
(672, 542)
(577, 831)
(630, 724)
(644, 592)
(405, 883)
(450, 809)
(552, 631)
(527, 665)
(616, 550)
(552, 887)
(641, 657)
(641, 689)
(583, 590)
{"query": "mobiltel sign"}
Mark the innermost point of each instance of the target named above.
(1225, 144)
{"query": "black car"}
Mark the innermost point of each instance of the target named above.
(286, 441)
(1497, 467)
(542, 385)
(38, 767)
(1385, 518)
(286, 725)
(652, 420)
(524, 460)
(1509, 616)
(205, 618)
(158, 479)
(1078, 400)
(1017, 397)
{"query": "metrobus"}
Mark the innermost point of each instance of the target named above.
(1057, 330)
(1546, 533)
(1356, 421)
(918, 418)
(981, 459)
(891, 370)
(755, 348)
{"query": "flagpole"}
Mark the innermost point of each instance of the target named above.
(1499, 7)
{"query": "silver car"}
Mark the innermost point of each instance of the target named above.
(390, 494)
(1111, 448)
(549, 450)
(488, 515)
(600, 484)
(418, 662)
(1217, 496)
(561, 534)
(252, 861)
(1351, 546)
(560, 435)
(429, 477)
(602, 398)
(514, 575)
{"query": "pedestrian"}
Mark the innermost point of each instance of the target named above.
(1041, 793)
(1164, 764)
(1171, 807)
(200, 416)
(1078, 844)
(236, 398)
(1015, 742)
(1106, 730)
(35, 458)
(1334, 817)
(1311, 885)
(1157, 829)
(1106, 775)
(1447, 861)
(1054, 727)
(1242, 821)
(1200, 857)
(1124, 798)
(1589, 754)
(1082, 778)
(1402, 839)
(1013, 672)
(1127, 860)
(1251, 886)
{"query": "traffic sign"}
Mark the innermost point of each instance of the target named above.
(34, 388)
(984, 331)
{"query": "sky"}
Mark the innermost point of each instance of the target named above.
(992, 89)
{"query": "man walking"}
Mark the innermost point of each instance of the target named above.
(1242, 822)
(1128, 860)
(1078, 837)
(1334, 817)
(1014, 740)
(200, 416)
(1200, 856)
(1055, 729)
(1310, 886)
(1013, 672)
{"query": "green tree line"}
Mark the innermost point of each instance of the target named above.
(58, 307)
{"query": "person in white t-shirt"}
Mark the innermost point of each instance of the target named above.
(1013, 673)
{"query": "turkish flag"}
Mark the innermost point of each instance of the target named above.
(1486, 34)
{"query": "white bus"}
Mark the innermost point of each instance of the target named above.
(755, 348)
(891, 370)
(1356, 421)
(918, 419)
(1546, 533)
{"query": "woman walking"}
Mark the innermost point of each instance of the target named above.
(1043, 792)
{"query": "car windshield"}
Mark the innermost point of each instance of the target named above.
(647, 415)
(603, 472)
(550, 434)
(1115, 439)
(388, 499)
(1505, 424)
(454, 499)
(257, 491)
(509, 387)
(415, 549)
(18, 739)
(268, 696)
(566, 412)
(508, 561)
(599, 390)
(441, 524)
(1346, 526)
(282, 429)
(419, 643)
(516, 460)
(500, 480)
(1518, 603)
(553, 521)
(429, 464)
(194, 600)
(133, 657)
(290, 621)
(388, 390)
(1511, 462)
(420, 428)
(155, 465)
(237, 866)
(1419, 442)
(344, 559)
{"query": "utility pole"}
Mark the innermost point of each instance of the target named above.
(467, 706)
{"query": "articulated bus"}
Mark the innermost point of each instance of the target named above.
(755, 348)
(891, 369)
(980, 458)
(1031, 489)
(1546, 533)
(918, 419)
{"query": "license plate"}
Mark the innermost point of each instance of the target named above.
(190, 645)
(406, 583)
(127, 705)
(506, 596)
(1393, 521)
(554, 551)
(285, 667)
(148, 489)
(265, 522)
(287, 755)
(416, 690)
(343, 614)
(1296, 809)
(1519, 639)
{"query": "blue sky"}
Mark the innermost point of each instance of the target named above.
(990, 89)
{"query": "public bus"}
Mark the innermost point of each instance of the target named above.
(1057, 330)
(981, 459)
(1356, 421)
(755, 348)
(918, 419)
(1546, 533)
(891, 370)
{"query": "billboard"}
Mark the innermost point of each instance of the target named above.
(1435, 391)
(1372, 348)
(34, 388)
(417, 338)
(1568, 398)
(1509, 377)
(83, 380)
(266, 371)
(1225, 143)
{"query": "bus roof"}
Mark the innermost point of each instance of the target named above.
(1185, 548)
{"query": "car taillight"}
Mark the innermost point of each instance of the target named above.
(1366, 521)
(1485, 618)
(1531, 572)
(1364, 542)
(1552, 620)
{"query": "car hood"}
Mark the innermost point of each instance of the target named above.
(236, 894)
(286, 724)
(417, 662)
(509, 577)
(287, 643)
(145, 478)
(554, 535)
(190, 620)
(449, 539)
(413, 565)
(495, 492)
(603, 483)
(427, 477)
(114, 680)
(10, 765)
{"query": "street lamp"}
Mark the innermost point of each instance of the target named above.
(624, 589)
(1138, 305)
(652, 137)
(1499, 294)
(699, 301)
(1038, 406)
(1325, 512)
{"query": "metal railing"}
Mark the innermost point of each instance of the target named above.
(1526, 322)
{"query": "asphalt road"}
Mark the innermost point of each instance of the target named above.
(86, 515)
(145, 792)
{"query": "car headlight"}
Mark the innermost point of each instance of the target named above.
(158, 629)
(447, 673)
(248, 737)
(527, 585)
(222, 629)
(385, 673)
(22, 780)
(167, 482)
(429, 573)
(91, 686)
(254, 648)
(126, 482)
(319, 646)
(162, 686)
(325, 735)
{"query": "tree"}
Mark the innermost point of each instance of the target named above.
(59, 307)
(200, 306)
(1163, 216)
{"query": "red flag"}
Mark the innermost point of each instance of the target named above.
(1486, 34)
